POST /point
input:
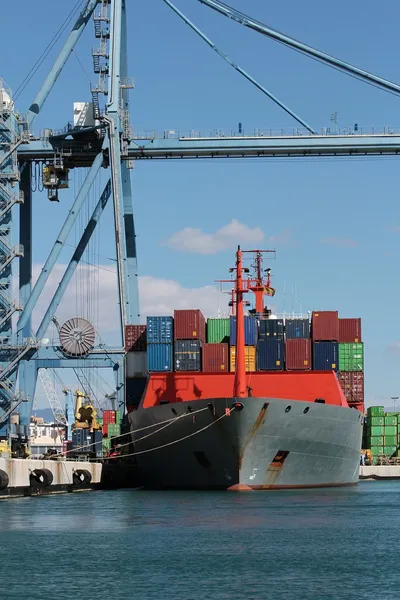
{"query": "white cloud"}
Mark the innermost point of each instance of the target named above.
(92, 294)
(193, 239)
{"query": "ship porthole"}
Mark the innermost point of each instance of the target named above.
(288, 408)
(307, 408)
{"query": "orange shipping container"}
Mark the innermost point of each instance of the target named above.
(250, 358)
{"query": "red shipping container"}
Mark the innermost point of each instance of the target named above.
(189, 325)
(349, 331)
(109, 416)
(298, 355)
(66, 446)
(216, 358)
(352, 384)
(135, 337)
(325, 326)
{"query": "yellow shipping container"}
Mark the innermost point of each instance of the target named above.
(250, 358)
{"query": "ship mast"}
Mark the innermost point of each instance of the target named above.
(240, 385)
(258, 285)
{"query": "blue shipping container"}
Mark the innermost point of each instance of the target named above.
(159, 357)
(270, 328)
(250, 331)
(325, 356)
(270, 355)
(160, 330)
(297, 329)
(187, 355)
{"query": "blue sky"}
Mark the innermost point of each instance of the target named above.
(336, 223)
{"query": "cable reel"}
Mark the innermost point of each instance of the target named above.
(77, 337)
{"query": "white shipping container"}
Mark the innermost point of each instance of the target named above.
(136, 364)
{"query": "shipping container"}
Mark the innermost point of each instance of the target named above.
(325, 356)
(216, 358)
(376, 411)
(218, 331)
(159, 357)
(135, 388)
(298, 354)
(377, 441)
(66, 446)
(350, 330)
(109, 416)
(189, 325)
(390, 421)
(390, 440)
(270, 328)
(352, 384)
(270, 355)
(389, 450)
(376, 450)
(250, 358)
(351, 357)
(135, 338)
(390, 430)
(136, 364)
(296, 329)
(376, 430)
(250, 331)
(160, 330)
(325, 326)
(187, 355)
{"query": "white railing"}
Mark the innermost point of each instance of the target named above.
(174, 134)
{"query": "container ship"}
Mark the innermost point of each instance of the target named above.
(249, 402)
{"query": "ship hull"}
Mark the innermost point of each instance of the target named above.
(263, 444)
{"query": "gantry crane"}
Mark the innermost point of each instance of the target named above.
(108, 142)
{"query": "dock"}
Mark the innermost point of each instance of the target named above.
(29, 477)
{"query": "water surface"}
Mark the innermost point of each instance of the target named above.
(334, 544)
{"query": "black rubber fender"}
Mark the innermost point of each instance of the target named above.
(81, 477)
(4, 480)
(41, 478)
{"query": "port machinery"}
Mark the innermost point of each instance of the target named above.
(108, 142)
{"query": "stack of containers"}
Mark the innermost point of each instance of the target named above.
(270, 345)
(109, 418)
(216, 350)
(135, 348)
(189, 336)
(325, 337)
(298, 345)
(250, 340)
(351, 362)
(160, 337)
(381, 432)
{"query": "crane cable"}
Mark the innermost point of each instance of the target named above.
(47, 50)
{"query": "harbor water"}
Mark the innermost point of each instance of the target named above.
(331, 544)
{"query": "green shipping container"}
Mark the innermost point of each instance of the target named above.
(113, 429)
(218, 331)
(376, 431)
(376, 450)
(351, 357)
(377, 421)
(390, 430)
(398, 418)
(377, 441)
(376, 411)
(391, 414)
(106, 444)
(118, 417)
(391, 421)
(389, 450)
(390, 440)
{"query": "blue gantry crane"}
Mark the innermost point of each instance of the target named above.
(106, 141)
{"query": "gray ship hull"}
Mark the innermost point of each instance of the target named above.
(269, 444)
